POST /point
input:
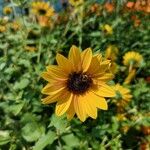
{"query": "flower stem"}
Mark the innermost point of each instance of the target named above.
(39, 49)
(14, 10)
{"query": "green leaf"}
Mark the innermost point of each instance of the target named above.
(2, 65)
(32, 131)
(22, 84)
(60, 123)
(25, 63)
(15, 109)
(95, 34)
(4, 137)
(45, 140)
(71, 140)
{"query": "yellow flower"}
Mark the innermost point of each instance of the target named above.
(121, 117)
(107, 29)
(42, 9)
(123, 95)
(7, 10)
(111, 52)
(76, 3)
(15, 26)
(78, 84)
(132, 59)
(2, 29)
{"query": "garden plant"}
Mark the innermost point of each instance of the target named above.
(75, 78)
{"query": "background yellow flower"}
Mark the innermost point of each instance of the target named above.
(7, 10)
(123, 95)
(42, 9)
(107, 29)
(2, 28)
(132, 58)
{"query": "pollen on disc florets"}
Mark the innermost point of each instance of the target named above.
(79, 83)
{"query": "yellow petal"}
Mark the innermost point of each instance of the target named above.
(86, 57)
(127, 97)
(124, 90)
(104, 66)
(64, 63)
(104, 77)
(75, 58)
(56, 69)
(94, 66)
(57, 73)
(53, 98)
(49, 99)
(105, 62)
(80, 108)
(104, 91)
(48, 77)
(97, 101)
(63, 105)
(71, 111)
(99, 57)
(90, 108)
(50, 89)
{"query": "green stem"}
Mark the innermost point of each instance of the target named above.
(40, 48)
(14, 10)
(58, 137)
(80, 23)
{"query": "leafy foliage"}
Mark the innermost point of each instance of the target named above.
(28, 124)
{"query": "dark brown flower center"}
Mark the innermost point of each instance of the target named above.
(42, 11)
(79, 83)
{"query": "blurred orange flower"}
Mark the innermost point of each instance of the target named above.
(109, 7)
(95, 8)
(130, 4)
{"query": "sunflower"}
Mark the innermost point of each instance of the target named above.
(107, 29)
(132, 59)
(78, 84)
(42, 9)
(123, 95)
(7, 10)
(2, 28)
(76, 3)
